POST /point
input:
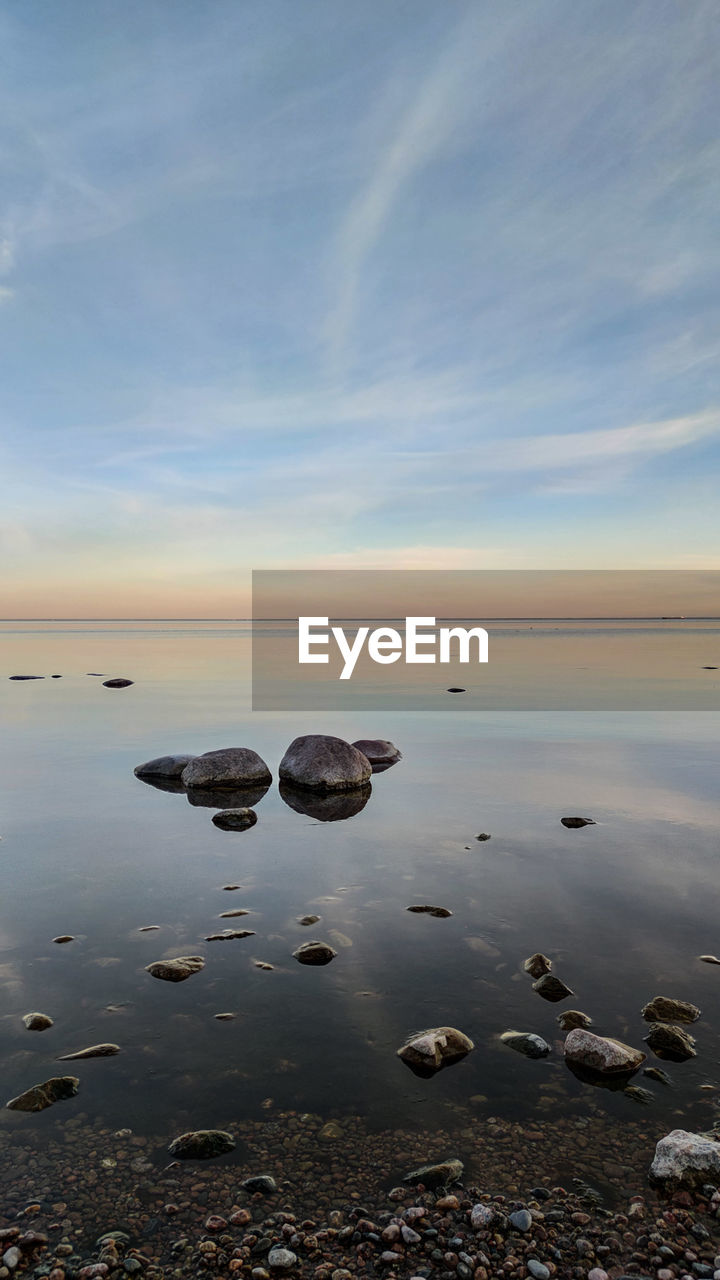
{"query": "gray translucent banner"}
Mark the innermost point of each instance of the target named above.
(554, 640)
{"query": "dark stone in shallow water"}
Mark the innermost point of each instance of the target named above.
(315, 953)
(37, 1021)
(670, 1043)
(93, 1051)
(235, 819)
(381, 754)
(41, 1096)
(444, 1174)
(262, 1182)
(441, 913)
(163, 766)
(456, 689)
(337, 806)
(528, 1043)
(666, 1009)
(573, 823)
(228, 768)
(26, 677)
(176, 970)
(201, 1144)
(118, 682)
(552, 988)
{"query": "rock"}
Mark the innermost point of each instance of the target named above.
(226, 934)
(224, 1017)
(332, 806)
(315, 953)
(709, 959)
(44, 1095)
(665, 1009)
(537, 1269)
(228, 767)
(163, 767)
(445, 1174)
(381, 754)
(431, 1050)
(323, 763)
(552, 988)
(484, 835)
(643, 1096)
(11, 1256)
(330, 1132)
(574, 823)
(531, 1045)
(26, 677)
(571, 1019)
(671, 1043)
(118, 682)
(656, 1073)
(261, 1182)
(280, 1259)
(201, 1144)
(94, 1051)
(537, 965)
(602, 1054)
(455, 689)
(64, 937)
(176, 970)
(235, 819)
(113, 1238)
(441, 913)
(37, 1021)
(684, 1159)
(482, 1216)
(521, 1219)
(308, 920)
(229, 915)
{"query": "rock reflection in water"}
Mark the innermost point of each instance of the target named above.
(335, 807)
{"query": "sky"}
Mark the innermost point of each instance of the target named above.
(338, 285)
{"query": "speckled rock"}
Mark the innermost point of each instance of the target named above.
(41, 1096)
(684, 1159)
(37, 1021)
(665, 1009)
(437, 1047)
(601, 1053)
(235, 819)
(163, 767)
(176, 970)
(315, 953)
(444, 1174)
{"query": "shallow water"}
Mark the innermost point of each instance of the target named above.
(624, 908)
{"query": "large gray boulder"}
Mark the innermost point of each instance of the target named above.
(601, 1054)
(229, 767)
(684, 1159)
(323, 763)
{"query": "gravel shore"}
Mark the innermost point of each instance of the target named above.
(568, 1198)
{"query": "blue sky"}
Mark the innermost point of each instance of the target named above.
(323, 284)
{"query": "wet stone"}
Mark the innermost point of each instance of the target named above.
(41, 1096)
(37, 1021)
(552, 988)
(201, 1144)
(665, 1009)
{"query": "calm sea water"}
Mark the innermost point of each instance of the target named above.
(624, 908)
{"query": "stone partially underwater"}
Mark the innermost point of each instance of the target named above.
(430, 1051)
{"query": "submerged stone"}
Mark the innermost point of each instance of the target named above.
(118, 682)
(227, 934)
(235, 819)
(552, 988)
(93, 1051)
(262, 1182)
(41, 1096)
(574, 823)
(441, 913)
(176, 970)
(571, 1019)
(444, 1174)
(316, 953)
(201, 1144)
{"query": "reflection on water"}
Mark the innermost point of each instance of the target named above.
(624, 907)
